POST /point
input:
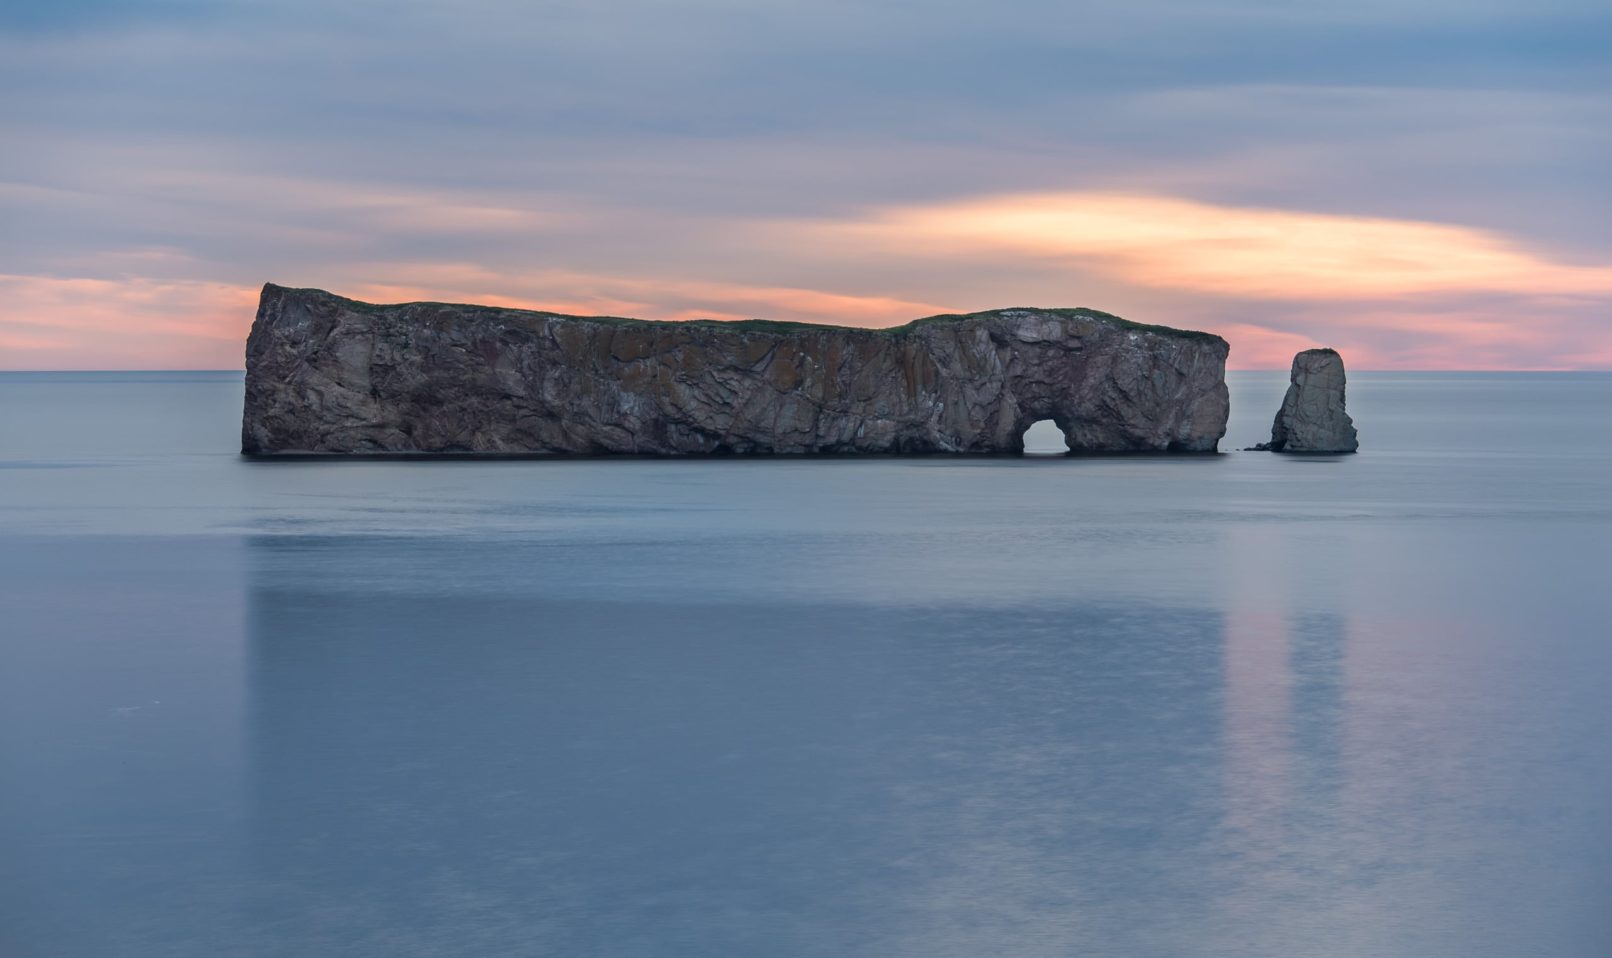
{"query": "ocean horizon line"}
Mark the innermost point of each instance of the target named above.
(1250, 369)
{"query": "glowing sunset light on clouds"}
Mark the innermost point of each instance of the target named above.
(1228, 251)
(1385, 280)
(1223, 170)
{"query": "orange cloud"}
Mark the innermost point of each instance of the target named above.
(1165, 242)
(84, 323)
(78, 323)
(1389, 293)
(643, 297)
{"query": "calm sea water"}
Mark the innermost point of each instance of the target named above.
(1244, 705)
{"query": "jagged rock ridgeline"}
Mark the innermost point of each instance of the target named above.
(1312, 418)
(325, 374)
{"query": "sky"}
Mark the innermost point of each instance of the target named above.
(1421, 184)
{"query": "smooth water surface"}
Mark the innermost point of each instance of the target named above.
(1244, 705)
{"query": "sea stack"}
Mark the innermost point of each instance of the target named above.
(1312, 418)
(329, 375)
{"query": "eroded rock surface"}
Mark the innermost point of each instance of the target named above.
(326, 374)
(1312, 417)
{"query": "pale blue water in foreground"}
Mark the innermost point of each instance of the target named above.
(1233, 706)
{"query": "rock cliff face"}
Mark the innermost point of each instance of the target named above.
(1312, 417)
(326, 374)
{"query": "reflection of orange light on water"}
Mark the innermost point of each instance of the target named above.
(1257, 716)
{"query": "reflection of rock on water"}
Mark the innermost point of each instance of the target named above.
(515, 767)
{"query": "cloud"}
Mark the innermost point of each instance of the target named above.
(86, 323)
(1389, 293)
(582, 293)
(1493, 333)
(1260, 347)
(134, 323)
(1159, 241)
(1420, 181)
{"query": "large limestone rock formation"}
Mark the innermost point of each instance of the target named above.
(326, 374)
(1312, 417)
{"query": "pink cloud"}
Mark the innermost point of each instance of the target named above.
(84, 323)
(1259, 347)
(79, 323)
(1388, 293)
(585, 293)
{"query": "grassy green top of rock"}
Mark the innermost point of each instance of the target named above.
(770, 325)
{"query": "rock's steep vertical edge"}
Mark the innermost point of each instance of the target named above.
(254, 440)
(1313, 418)
(332, 375)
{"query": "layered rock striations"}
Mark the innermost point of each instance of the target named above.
(332, 375)
(1312, 417)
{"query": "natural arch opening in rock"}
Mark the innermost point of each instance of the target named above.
(1044, 438)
